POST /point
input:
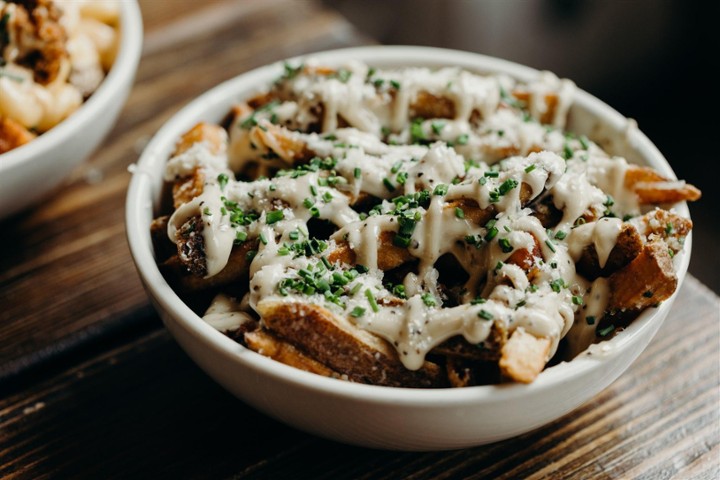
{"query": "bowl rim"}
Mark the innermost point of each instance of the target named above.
(123, 68)
(142, 195)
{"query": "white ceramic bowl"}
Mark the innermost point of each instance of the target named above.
(373, 416)
(35, 170)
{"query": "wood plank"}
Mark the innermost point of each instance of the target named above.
(144, 409)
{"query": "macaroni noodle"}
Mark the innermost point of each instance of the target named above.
(53, 57)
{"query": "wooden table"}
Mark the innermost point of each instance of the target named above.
(92, 386)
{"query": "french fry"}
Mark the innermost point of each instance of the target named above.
(214, 138)
(334, 341)
(191, 255)
(667, 225)
(524, 356)
(471, 210)
(389, 255)
(488, 350)
(628, 245)
(427, 105)
(653, 188)
(271, 346)
(646, 281)
(280, 141)
(212, 135)
(550, 100)
(185, 189)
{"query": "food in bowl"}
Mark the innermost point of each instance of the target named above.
(53, 56)
(414, 227)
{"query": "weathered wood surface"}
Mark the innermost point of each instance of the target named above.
(141, 409)
(92, 386)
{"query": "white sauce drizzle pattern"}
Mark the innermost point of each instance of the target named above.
(461, 154)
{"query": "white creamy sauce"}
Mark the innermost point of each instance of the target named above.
(601, 234)
(225, 314)
(452, 160)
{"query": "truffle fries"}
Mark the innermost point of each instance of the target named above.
(414, 228)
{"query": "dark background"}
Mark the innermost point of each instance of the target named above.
(655, 61)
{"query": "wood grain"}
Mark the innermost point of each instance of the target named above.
(143, 410)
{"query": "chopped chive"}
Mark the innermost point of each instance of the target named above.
(402, 241)
(263, 239)
(584, 142)
(492, 232)
(577, 300)
(440, 189)
(388, 184)
(560, 235)
(429, 300)
(274, 216)
(507, 185)
(530, 168)
(357, 312)
(240, 236)
(606, 331)
(372, 301)
(459, 212)
(222, 180)
(505, 245)
(557, 284)
(462, 139)
(357, 172)
(326, 262)
(485, 315)
(550, 245)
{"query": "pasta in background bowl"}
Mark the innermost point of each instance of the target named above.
(67, 68)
